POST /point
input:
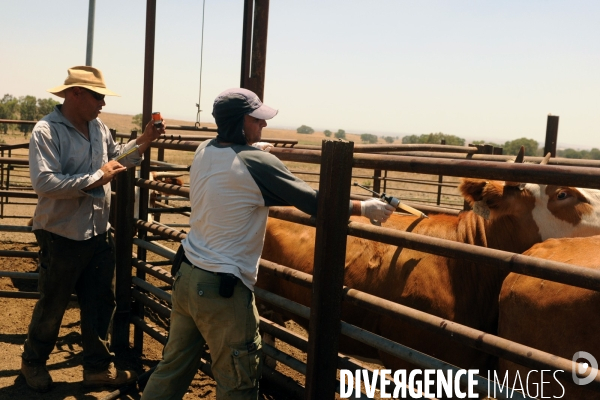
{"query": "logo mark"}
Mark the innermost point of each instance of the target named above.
(581, 368)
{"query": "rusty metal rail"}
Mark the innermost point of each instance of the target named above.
(471, 337)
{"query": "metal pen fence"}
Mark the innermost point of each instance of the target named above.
(548, 270)
(145, 295)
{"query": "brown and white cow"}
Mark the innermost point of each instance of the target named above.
(553, 317)
(460, 291)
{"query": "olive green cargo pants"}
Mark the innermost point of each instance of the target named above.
(228, 325)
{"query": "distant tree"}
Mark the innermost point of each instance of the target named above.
(368, 138)
(45, 107)
(389, 139)
(595, 154)
(434, 138)
(327, 132)
(28, 112)
(305, 129)
(411, 139)
(8, 110)
(137, 122)
(340, 134)
(513, 146)
(571, 153)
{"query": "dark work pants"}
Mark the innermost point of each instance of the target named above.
(87, 268)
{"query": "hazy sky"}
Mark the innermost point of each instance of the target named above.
(476, 69)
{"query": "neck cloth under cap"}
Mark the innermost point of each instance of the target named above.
(229, 110)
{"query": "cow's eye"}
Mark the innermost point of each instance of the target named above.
(562, 195)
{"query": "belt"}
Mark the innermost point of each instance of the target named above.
(187, 261)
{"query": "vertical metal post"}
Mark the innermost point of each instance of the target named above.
(551, 135)
(440, 181)
(385, 173)
(377, 180)
(147, 106)
(2, 184)
(123, 250)
(90, 33)
(138, 336)
(328, 273)
(246, 43)
(254, 47)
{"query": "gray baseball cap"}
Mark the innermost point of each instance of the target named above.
(243, 99)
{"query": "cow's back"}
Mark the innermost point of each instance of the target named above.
(553, 317)
(419, 280)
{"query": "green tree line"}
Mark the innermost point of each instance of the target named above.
(26, 108)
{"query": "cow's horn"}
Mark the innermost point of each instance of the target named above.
(518, 159)
(163, 174)
(520, 156)
(546, 159)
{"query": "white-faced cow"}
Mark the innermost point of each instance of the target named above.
(553, 317)
(454, 289)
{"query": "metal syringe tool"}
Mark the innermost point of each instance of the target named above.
(395, 202)
(128, 152)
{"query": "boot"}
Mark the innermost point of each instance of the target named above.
(110, 377)
(36, 376)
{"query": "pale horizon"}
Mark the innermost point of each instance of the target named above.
(478, 70)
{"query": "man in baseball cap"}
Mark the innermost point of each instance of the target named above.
(232, 186)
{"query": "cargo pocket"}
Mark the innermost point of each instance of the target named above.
(246, 359)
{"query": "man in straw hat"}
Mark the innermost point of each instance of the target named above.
(71, 161)
(232, 185)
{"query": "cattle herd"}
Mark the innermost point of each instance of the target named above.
(552, 222)
(538, 220)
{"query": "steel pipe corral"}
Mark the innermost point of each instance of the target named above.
(26, 295)
(161, 310)
(19, 275)
(14, 161)
(533, 173)
(500, 158)
(162, 230)
(546, 269)
(471, 337)
(329, 260)
(382, 148)
(15, 228)
(566, 175)
(157, 272)
(17, 121)
(163, 187)
(19, 253)
(378, 342)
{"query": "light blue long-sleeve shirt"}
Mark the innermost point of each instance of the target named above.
(62, 161)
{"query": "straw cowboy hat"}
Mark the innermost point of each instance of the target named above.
(86, 77)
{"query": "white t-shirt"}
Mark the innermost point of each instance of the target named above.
(231, 188)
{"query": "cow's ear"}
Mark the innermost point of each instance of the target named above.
(472, 189)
